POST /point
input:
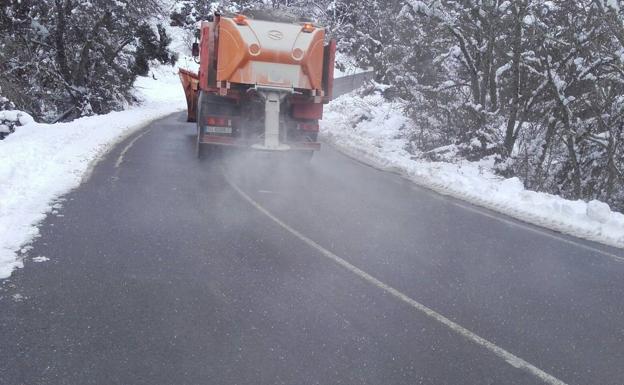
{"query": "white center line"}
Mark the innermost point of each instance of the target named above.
(510, 358)
(125, 150)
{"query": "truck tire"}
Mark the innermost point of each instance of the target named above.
(308, 155)
(198, 145)
(201, 149)
(198, 120)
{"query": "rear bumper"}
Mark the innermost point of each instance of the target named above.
(237, 142)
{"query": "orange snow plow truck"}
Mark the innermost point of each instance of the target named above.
(261, 84)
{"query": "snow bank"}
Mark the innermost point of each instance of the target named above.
(10, 119)
(370, 129)
(41, 162)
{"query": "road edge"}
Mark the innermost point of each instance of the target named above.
(527, 219)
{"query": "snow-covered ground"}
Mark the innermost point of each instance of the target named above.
(41, 162)
(370, 129)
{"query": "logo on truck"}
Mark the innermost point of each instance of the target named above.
(276, 35)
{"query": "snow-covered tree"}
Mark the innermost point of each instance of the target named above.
(536, 83)
(69, 58)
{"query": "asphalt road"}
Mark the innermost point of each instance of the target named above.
(256, 269)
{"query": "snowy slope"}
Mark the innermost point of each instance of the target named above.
(369, 128)
(41, 162)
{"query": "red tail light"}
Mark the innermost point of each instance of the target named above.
(217, 121)
(311, 127)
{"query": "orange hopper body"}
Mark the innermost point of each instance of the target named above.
(270, 54)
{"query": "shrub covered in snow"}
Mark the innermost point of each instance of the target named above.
(10, 119)
(64, 59)
(539, 83)
(5, 103)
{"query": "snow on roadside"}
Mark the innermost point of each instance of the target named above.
(369, 128)
(41, 162)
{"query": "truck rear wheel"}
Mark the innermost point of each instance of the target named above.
(198, 144)
(307, 155)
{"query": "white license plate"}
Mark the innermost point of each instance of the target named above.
(217, 130)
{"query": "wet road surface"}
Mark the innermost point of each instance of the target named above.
(165, 269)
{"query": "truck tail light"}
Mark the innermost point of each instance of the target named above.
(308, 27)
(217, 121)
(310, 127)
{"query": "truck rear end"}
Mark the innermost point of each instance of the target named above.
(261, 84)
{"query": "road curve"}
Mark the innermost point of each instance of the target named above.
(258, 269)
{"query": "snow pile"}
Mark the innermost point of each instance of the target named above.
(11, 119)
(372, 130)
(41, 162)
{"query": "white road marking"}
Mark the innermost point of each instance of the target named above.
(540, 231)
(508, 357)
(120, 159)
(501, 217)
(474, 207)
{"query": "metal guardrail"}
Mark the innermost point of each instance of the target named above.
(344, 85)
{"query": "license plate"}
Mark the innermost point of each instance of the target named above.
(217, 130)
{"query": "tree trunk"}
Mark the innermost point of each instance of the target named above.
(474, 75)
(550, 133)
(59, 40)
(510, 135)
(576, 171)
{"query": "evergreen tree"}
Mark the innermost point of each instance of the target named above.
(63, 59)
